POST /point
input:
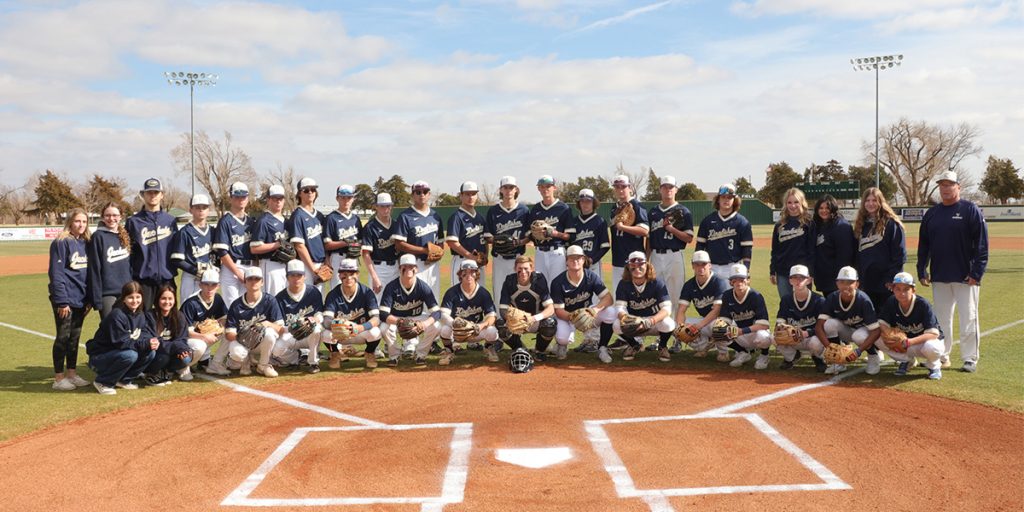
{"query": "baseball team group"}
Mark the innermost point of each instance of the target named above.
(268, 291)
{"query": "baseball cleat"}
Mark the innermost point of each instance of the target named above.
(901, 370)
(723, 356)
(335, 361)
(663, 355)
(267, 370)
(245, 369)
(393, 362)
(874, 364)
(740, 359)
(539, 356)
(819, 365)
(217, 369)
(945, 362)
(969, 367)
(313, 368)
(700, 354)
(156, 380)
(371, 360)
(446, 358)
(619, 344)
(935, 374)
(561, 352)
(762, 362)
(492, 355)
(630, 353)
(420, 361)
(185, 374)
(603, 355)
(786, 365)
(677, 347)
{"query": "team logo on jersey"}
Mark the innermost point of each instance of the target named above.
(639, 305)
(553, 220)
(789, 234)
(348, 232)
(718, 234)
(115, 254)
(821, 239)
(475, 230)
(802, 323)
(421, 231)
(165, 334)
(239, 240)
(914, 329)
(198, 251)
(584, 234)
(853, 321)
(150, 236)
(135, 333)
(502, 227)
(740, 316)
(384, 243)
(314, 231)
(78, 261)
(469, 312)
(870, 241)
(298, 315)
(412, 307)
(353, 314)
(584, 297)
(704, 302)
(957, 216)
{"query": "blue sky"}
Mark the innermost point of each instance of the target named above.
(447, 91)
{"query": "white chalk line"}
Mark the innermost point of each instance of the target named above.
(34, 333)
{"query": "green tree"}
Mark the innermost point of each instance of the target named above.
(365, 198)
(831, 171)
(780, 177)
(99, 191)
(446, 199)
(690, 192)
(54, 197)
(396, 186)
(865, 176)
(653, 192)
(1001, 181)
(744, 187)
(568, 192)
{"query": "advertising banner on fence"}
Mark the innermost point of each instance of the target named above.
(29, 233)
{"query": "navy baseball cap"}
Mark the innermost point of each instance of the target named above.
(152, 184)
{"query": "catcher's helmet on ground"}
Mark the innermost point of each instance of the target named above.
(520, 361)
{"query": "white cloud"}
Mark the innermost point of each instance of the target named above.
(632, 13)
(863, 9)
(954, 18)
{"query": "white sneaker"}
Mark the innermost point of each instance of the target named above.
(723, 356)
(245, 369)
(603, 355)
(562, 352)
(217, 369)
(832, 369)
(267, 370)
(741, 357)
(78, 381)
(874, 364)
(64, 385)
(185, 374)
(762, 362)
(127, 385)
(104, 390)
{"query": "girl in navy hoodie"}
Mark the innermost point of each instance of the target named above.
(68, 264)
(124, 343)
(881, 248)
(834, 244)
(174, 354)
(109, 267)
(792, 241)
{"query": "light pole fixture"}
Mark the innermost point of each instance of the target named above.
(191, 80)
(876, 64)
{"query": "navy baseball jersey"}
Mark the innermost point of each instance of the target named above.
(703, 297)
(624, 243)
(833, 250)
(571, 296)
(801, 314)
(644, 300)
(265, 309)
(377, 239)
(532, 298)
(343, 226)
(191, 246)
(591, 234)
(232, 236)
(359, 308)
(792, 244)
(557, 214)
(308, 303)
(919, 320)
(308, 228)
(151, 234)
(268, 229)
(726, 239)
(467, 229)
(500, 221)
(417, 228)
(751, 310)
(660, 238)
(955, 239)
(196, 310)
(68, 272)
(122, 330)
(859, 314)
(880, 256)
(109, 268)
(473, 307)
(401, 302)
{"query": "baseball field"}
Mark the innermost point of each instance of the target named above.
(573, 434)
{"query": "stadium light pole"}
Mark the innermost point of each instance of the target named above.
(191, 80)
(876, 64)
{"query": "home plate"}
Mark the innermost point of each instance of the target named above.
(534, 458)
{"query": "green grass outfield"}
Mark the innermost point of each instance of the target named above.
(28, 403)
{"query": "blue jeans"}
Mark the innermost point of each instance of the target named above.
(165, 361)
(782, 283)
(119, 365)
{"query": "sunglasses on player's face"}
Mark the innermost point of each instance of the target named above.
(421, 192)
(308, 190)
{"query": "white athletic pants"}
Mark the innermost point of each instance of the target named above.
(812, 345)
(704, 341)
(672, 271)
(430, 274)
(240, 354)
(230, 287)
(390, 336)
(489, 333)
(386, 274)
(964, 298)
(930, 351)
(723, 271)
(835, 328)
(500, 268)
(755, 340)
(189, 287)
(564, 330)
(311, 279)
(287, 347)
(275, 277)
(550, 263)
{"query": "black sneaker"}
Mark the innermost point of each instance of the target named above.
(788, 365)
(313, 368)
(435, 349)
(421, 361)
(155, 380)
(819, 365)
(540, 356)
(393, 362)
(619, 344)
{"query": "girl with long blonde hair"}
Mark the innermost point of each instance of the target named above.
(70, 303)
(881, 246)
(792, 240)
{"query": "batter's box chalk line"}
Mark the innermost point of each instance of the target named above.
(453, 485)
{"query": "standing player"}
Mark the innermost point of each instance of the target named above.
(268, 233)
(409, 297)
(231, 243)
(626, 239)
(642, 295)
(954, 239)
(834, 244)
(792, 240)
(914, 316)
(68, 271)
(667, 242)
(254, 307)
(356, 303)
(472, 303)
(704, 291)
(379, 255)
(191, 247)
(579, 288)
(725, 234)
(417, 226)
(590, 231)
(550, 242)
(800, 309)
(881, 250)
(205, 304)
(343, 236)
(849, 317)
(151, 230)
(746, 308)
(465, 232)
(109, 268)
(505, 227)
(306, 227)
(526, 290)
(300, 302)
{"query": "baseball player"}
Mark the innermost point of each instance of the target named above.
(641, 294)
(409, 297)
(590, 231)
(173, 354)
(300, 302)
(849, 317)
(800, 309)
(954, 239)
(465, 232)
(306, 226)
(231, 243)
(267, 234)
(575, 289)
(379, 255)
(253, 307)
(914, 316)
(471, 302)
(205, 304)
(746, 308)
(550, 254)
(417, 226)
(881, 249)
(834, 244)
(68, 270)
(526, 290)
(666, 243)
(343, 232)
(626, 239)
(191, 247)
(792, 240)
(355, 302)
(151, 230)
(505, 221)
(124, 343)
(704, 291)
(109, 268)
(726, 234)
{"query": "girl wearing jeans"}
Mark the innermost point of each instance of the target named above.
(124, 344)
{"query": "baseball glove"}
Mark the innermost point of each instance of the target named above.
(724, 330)
(353, 248)
(284, 252)
(251, 335)
(675, 218)
(786, 335)
(301, 328)
(894, 338)
(464, 330)
(686, 333)
(517, 321)
(434, 252)
(584, 319)
(631, 325)
(409, 328)
(342, 330)
(323, 274)
(209, 326)
(540, 231)
(624, 214)
(481, 258)
(505, 245)
(838, 353)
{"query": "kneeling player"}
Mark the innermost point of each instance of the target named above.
(910, 329)
(799, 310)
(205, 314)
(704, 291)
(254, 324)
(644, 309)
(410, 310)
(525, 293)
(467, 313)
(849, 317)
(356, 319)
(573, 292)
(748, 313)
(302, 307)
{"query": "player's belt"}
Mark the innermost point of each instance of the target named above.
(547, 248)
(666, 251)
(246, 262)
(384, 262)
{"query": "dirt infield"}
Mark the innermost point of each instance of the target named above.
(884, 449)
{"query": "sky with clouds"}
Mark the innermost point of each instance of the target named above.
(346, 91)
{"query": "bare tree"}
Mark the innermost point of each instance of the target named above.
(218, 165)
(914, 153)
(488, 194)
(638, 179)
(285, 178)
